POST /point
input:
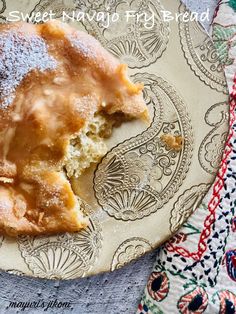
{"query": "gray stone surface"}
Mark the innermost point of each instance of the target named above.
(110, 293)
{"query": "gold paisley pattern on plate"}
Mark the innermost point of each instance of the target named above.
(211, 147)
(63, 256)
(142, 191)
(56, 6)
(137, 177)
(1, 240)
(2, 10)
(134, 44)
(128, 251)
(130, 202)
(186, 204)
(201, 55)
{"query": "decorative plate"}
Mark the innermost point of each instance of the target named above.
(141, 192)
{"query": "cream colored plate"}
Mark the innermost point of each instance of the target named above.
(141, 192)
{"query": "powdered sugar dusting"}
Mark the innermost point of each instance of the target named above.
(91, 49)
(19, 54)
(84, 46)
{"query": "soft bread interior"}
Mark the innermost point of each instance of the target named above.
(87, 146)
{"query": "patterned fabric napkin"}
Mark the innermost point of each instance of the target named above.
(195, 272)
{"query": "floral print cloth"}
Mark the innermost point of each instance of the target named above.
(195, 271)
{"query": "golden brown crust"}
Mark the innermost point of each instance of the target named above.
(50, 104)
(173, 141)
